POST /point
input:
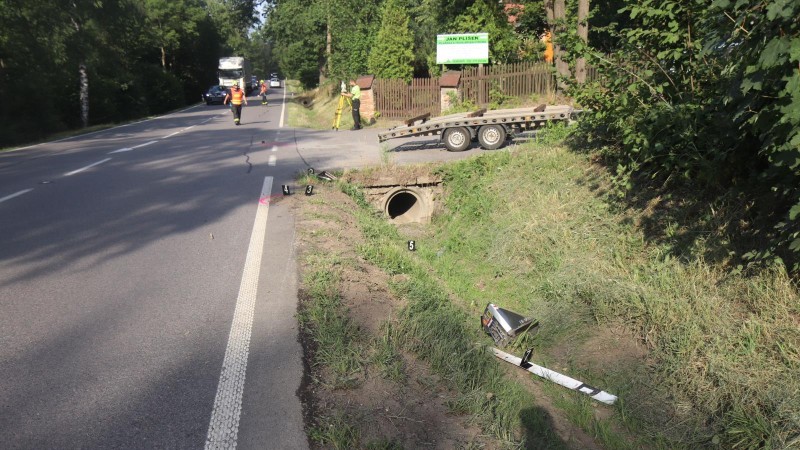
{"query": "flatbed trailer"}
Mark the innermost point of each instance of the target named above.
(490, 128)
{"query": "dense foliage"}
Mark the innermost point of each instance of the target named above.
(392, 55)
(705, 97)
(132, 57)
(373, 37)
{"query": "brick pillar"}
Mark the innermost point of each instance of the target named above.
(449, 82)
(367, 98)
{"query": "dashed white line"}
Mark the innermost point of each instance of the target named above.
(274, 148)
(273, 160)
(15, 194)
(170, 135)
(223, 428)
(86, 168)
(144, 145)
(126, 149)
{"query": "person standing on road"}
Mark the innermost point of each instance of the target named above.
(237, 98)
(355, 96)
(263, 92)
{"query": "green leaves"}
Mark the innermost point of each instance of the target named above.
(709, 94)
(392, 54)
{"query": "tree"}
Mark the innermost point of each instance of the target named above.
(354, 26)
(556, 18)
(171, 23)
(487, 16)
(297, 29)
(392, 55)
(583, 35)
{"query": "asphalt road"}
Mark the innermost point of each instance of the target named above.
(148, 280)
(148, 286)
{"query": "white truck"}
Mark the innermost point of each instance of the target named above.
(234, 69)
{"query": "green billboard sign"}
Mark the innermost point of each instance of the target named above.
(462, 48)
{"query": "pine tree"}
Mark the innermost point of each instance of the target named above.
(393, 54)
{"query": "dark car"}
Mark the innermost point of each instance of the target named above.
(215, 94)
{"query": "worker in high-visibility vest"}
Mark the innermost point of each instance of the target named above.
(547, 39)
(237, 97)
(263, 92)
(355, 97)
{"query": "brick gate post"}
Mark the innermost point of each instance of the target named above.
(449, 84)
(367, 97)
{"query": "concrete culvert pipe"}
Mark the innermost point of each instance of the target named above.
(406, 206)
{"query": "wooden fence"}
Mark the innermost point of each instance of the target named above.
(481, 85)
(396, 99)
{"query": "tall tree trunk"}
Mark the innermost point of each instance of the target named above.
(559, 14)
(163, 58)
(325, 69)
(84, 94)
(548, 10)
(583, 33)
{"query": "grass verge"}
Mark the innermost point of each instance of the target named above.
(531, 229)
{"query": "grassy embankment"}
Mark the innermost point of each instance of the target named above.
(314, 109)
(531, 229)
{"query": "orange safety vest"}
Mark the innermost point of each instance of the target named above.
(547, 38)
(237, 95)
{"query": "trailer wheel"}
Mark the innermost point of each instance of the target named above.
(456, 139)
(491, 136)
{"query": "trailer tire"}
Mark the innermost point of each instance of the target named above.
(491, 137)
(456, 139)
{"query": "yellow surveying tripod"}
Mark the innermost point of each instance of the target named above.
(337, 118)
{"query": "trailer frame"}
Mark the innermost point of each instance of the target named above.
(489, 128)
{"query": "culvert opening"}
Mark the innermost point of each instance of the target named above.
(405, 206)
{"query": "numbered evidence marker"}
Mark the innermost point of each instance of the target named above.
(412, 245)
(286, 190)
(311, 171)
(309, 189)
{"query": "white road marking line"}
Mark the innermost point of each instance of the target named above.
(15, 194)
(273, 160)
(170, 135)
(126, 149)
(283, 107)
(189, 128)
(145, 144)
(274, 148)
(86, 168)
(107, 129)
(223, 428)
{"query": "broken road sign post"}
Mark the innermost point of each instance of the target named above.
(504, 325)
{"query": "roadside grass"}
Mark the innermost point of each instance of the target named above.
(338, 345)
(437, 331)
(531, 229)
(316, 109)
(340, 352)
(721, 341)
(336, 431)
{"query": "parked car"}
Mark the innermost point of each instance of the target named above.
(274, 82)
(215, 94)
